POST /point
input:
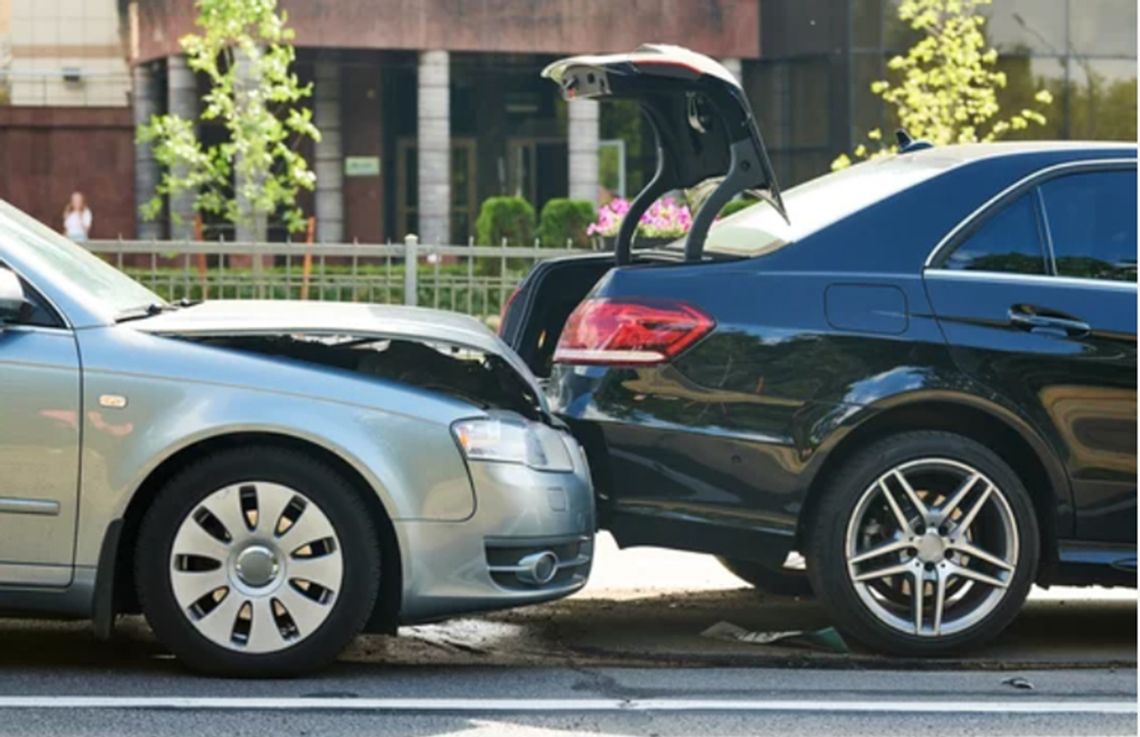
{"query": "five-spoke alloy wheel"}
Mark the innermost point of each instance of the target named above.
(257, 562)
(923, 543)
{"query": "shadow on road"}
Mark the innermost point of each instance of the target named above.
(650, 630)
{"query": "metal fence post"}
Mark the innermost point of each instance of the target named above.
(411, 268)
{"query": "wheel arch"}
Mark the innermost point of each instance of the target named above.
(121, 591)
(996, 427)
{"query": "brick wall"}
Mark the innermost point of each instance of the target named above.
(715, 27)
(46, 153)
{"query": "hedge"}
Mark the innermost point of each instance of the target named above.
(565, 220)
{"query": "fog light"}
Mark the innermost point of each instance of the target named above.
(538, 569)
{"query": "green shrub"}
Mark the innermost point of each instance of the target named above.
(505, 217)
(564, 220)
(736, 206)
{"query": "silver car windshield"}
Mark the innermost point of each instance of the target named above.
(73, 267)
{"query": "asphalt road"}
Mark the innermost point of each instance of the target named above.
(625, 657)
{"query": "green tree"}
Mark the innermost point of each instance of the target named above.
(944, 89)
(243, 48)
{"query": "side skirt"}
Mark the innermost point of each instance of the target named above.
(1081, 563)
(71, 602)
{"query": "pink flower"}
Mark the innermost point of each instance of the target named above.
(665, 218)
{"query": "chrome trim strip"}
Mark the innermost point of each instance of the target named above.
(1024, 181)
(45, 329)
(1037, 279)
(13, 505)
(578, 562)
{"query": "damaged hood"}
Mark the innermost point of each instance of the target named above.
(279, 317)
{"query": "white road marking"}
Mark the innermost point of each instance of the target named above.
(222, 703)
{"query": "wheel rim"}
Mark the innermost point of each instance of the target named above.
(256, 567)
(932, 547)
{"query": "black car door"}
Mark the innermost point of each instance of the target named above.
(1037, 299)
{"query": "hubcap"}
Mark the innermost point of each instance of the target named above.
(256, 567)
(932, 547)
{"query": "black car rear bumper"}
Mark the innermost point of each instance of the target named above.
(685, 487)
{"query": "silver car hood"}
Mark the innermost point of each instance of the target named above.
(282, 317)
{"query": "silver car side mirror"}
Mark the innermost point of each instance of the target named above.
(12, 298)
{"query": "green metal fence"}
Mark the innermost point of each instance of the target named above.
(475, 280)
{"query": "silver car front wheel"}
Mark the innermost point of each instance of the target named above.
(258, 561)
(256, 567)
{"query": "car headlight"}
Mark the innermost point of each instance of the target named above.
(511, 440)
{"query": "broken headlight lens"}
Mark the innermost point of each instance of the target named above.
(513, 440)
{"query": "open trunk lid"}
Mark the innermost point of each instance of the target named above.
(702, 122)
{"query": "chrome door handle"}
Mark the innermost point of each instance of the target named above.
(1035, 320)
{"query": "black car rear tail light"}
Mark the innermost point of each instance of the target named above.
(630, 332)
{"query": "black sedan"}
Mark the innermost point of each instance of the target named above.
(919, 373)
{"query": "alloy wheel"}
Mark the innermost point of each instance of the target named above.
(256, 567)
(932, 547)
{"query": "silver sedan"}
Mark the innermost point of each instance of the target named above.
(265, 480)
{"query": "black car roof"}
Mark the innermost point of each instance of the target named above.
(966, 152)
(897, 232)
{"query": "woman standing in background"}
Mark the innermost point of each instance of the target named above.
(77, 218)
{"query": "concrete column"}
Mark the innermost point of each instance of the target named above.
(181, 100)
(582, 142)
(250, 226)
(735, 66)
(144, 104)
(433, 147)
(328, 162)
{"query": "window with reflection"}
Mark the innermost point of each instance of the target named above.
(1007, 241)
(1092, 224)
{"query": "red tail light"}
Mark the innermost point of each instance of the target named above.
(625, 332)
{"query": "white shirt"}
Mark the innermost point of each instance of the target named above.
(77, 223)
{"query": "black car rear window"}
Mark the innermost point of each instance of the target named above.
(818, 203)
(1008, 241)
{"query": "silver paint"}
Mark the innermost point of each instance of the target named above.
(181, 392)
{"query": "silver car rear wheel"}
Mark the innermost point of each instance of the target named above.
(932, 547)
(256, 567)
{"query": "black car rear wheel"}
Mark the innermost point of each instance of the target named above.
(923, 543)
(767, 579)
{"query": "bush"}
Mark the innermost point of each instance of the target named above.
(564, 220)
(735, 206)
(505, 217)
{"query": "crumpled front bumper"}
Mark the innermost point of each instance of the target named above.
(487, 561)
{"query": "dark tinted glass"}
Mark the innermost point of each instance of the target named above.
(1007, 241)
(1092, 221)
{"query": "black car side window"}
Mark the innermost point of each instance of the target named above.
(1092, 224)
(1008, 240)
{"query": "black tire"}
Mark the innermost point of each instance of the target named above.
(324, 486)
(826, 553)
(768, 580)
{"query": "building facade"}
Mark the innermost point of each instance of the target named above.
(812, 85)
(428, 107)
(65, 120)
